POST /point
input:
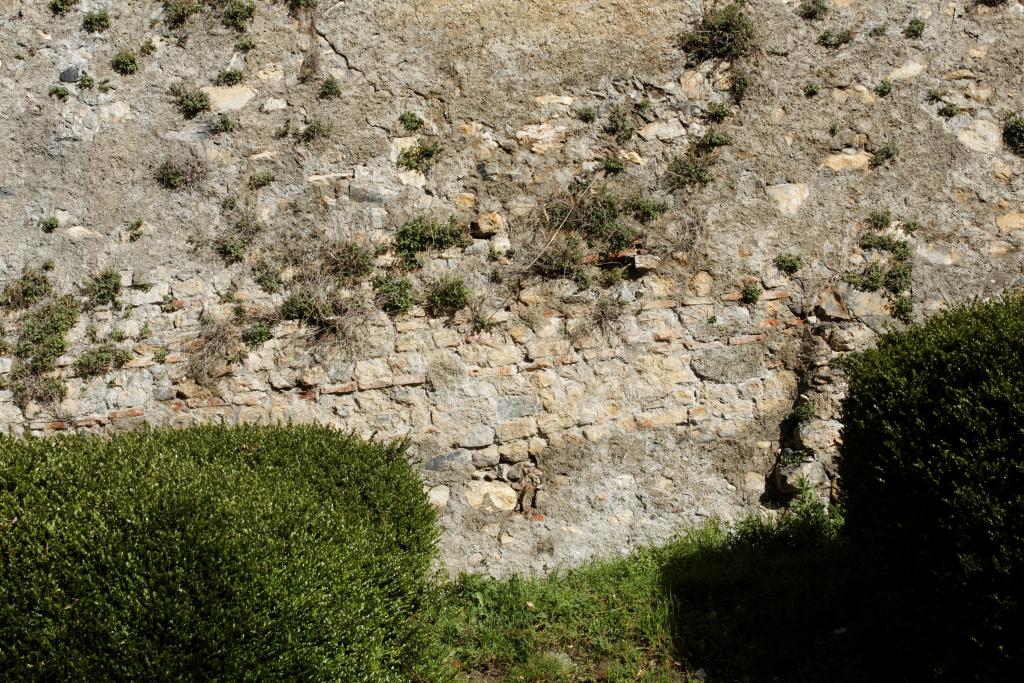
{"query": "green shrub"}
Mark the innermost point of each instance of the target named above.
(49, 224)
(101, 360)
(915, 29)
(813, 10)
(61, 7)
(237, 13)
(125, 63)
(613, 165)
(394, 294)
(31, 286)
(750, 294)
(223, 123)
(717, 112)
(261, 179)
(43, 336)
(103, 289)
(96, 22)
(410, 121)
(420, 234)
(215, 553)
(419, 157)
(60, 92)
(931, 473)
(245, 44)
(722, 33)
(446, 296)
(563, 258)
(228, 77)
(330, 89)
(316, 129)
(884, 89)
(689, 171)
(349, 261)
(585, 114)
(257, 334)
(177, 12)
(177, 175)
(834, 40)
(884, 154)
(620, 124)
(1013, 134)
(788, 263)
(948, 110)
(192, 101)
(811, 90)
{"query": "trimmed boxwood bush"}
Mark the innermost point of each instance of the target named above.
(214, 553)
(932, 472)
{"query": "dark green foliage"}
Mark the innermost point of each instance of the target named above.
(233, 245)
(899, 278)
(903, 308)
(410, 121)
(446, 296)
(223, 123)
(31, 286)
(125, 63)
(788, 263)
(811, 90)
(147, 48)
(710, 141)
(103, 289)
(49, 224)
(741, 82)
(394, 294)
(880, 219)
(948, 110)
(330, 89)
(871, 280)
(717, 112)
(645, 209)
(177, 12)
(101, 360)
(43, 333)
(915, 29)
(421, 234)
(813, 10)
(613, 165)
(586, 114)
(620, 124)
(349, 261)
(316, 129)
(192, 101)
(419, 157)
(878, 31)
(933, 486)
(228, 77)
(60, 92)
(245, 44)
(253, 553)
(884, 88)
(96, 22)
(86, 82)
(835, 39)
(899, 249)
(750, 294)
(61, 7)
(175, 175)
(595, 214)
(257, 334)
(689, 171)
(723, 33)
(261, 179)
(563, 258)
(884, 154)
(1013, 134)
(237, 13)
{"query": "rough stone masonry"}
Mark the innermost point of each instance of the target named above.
(547, 433)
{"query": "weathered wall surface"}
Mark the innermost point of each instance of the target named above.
(555, 432)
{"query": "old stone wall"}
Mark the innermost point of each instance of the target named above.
(554, 419)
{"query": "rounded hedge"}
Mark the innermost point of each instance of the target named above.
(932, 473)
(250, 553)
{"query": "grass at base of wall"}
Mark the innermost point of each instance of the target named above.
(758, 601)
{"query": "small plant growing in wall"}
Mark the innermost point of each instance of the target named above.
(62, 7)
(915, 29)
(812, 10)
(96, 22)
(724, 32)
(191, 100)
(49, 224)
(125, 63)
(788, 263)
(1013, 134)
(330, 89)
(446, 296)
(394, 294)
(410, 121)
(420, 157)
(751, 293)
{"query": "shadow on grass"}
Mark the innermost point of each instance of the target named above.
(768, 600)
